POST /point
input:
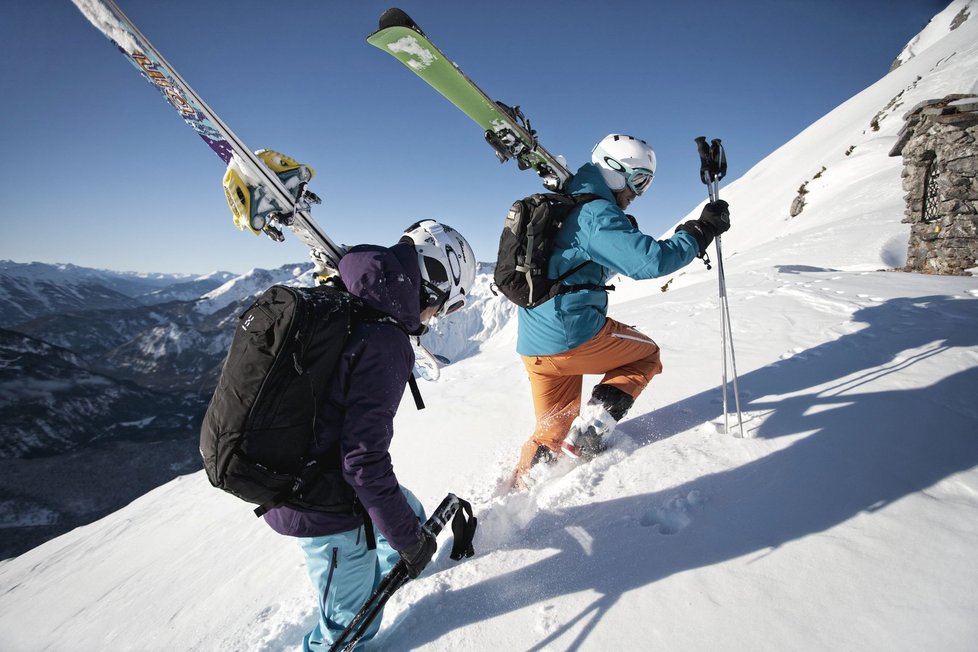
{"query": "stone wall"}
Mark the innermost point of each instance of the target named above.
(939, 145)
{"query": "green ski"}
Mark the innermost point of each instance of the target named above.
(506, 128)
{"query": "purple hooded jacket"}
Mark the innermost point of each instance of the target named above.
(363, 396)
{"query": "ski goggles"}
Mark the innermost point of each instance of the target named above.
(433, 286)
(637, 179)
(435, 296)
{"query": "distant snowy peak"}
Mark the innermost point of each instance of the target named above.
(188, 290)
(252, 284)
(939, 26)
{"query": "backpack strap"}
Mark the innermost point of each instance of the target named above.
(278, 501)
(368, 531)
(363, 313)
(415, 391)
(581, 199)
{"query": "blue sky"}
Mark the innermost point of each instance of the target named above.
(99, 171)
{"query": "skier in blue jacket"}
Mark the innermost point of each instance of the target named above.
(426, 274)
(571, 334)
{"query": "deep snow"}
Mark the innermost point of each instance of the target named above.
(848, 519)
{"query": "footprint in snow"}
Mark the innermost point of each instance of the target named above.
(675, 514)
(547, 620)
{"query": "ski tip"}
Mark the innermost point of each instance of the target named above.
(395, 17)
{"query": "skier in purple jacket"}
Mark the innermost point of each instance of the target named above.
(426, 274)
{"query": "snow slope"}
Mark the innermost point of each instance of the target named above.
(847, 519)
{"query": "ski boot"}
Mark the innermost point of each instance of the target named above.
(544, 456)
(585, 440)
(598, 418)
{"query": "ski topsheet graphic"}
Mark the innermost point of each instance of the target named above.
(294, 210)
(506, 128)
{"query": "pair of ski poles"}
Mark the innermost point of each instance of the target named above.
(713, 167)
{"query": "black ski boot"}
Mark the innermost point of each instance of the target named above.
(586, 439)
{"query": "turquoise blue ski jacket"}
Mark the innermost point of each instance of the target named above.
(598, 233)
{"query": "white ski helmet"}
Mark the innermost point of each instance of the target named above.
(447, 264)
(625, 160)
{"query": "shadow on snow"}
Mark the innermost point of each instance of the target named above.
(866, 450)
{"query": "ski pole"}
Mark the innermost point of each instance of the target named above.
(358, 627)
(719, 157)
(713, 167)
(398, 575)
(717, 170)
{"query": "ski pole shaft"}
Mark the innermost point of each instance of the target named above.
(733, 356)
(723, 332)
(396, 578)
(727, 338)
(368, 612)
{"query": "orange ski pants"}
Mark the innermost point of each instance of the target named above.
(627, 358)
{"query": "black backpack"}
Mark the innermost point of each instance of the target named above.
(256, 435)
(526, 244)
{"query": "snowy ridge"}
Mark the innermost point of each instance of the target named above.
(484, 315)
(190, 289)
(29, 291)
(847, 519)
(252, 284)
(61, 271)
(953, 15)
(841, 160)
(23, 298)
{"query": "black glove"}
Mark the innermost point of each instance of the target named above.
(417, 556)
(714, 220)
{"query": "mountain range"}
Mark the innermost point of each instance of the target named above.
(96, 363)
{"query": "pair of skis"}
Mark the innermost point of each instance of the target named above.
(506, 129)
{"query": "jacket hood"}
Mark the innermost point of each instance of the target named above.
(387, 279)
(588, 179)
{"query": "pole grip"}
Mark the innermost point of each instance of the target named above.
(705, 159)
(719, 159)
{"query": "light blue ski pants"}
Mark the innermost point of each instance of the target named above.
(345, 573)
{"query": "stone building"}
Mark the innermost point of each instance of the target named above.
(939, 145)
